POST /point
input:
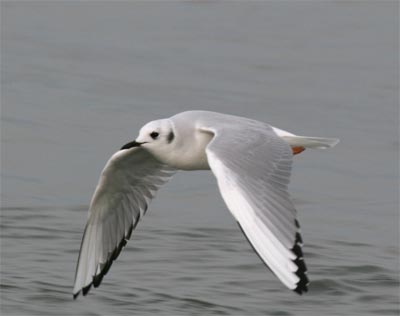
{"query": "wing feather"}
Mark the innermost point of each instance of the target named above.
(127, 184)
(253, 176)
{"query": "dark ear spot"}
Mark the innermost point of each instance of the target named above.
(170, 137)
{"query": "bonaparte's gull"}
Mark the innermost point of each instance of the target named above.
(251, 161)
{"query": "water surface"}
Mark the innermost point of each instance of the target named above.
(80, 78)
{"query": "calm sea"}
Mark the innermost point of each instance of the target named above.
(78, 80)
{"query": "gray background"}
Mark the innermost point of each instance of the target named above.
(78, 80)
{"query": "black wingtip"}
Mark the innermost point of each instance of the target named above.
(302, 285)
(97, 279)
(85, 290)
(300, 289)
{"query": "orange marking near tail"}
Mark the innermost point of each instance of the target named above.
(298, 150)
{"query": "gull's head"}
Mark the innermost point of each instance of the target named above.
(154, 136)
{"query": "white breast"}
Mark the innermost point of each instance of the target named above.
(190, 154)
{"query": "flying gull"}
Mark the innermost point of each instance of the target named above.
(251, 161)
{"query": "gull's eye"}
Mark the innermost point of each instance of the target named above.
(154, 135)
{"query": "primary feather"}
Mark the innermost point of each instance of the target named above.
(128, 182)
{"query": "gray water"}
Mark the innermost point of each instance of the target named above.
(79, 79)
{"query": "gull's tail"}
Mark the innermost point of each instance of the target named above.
(299, 143)
(310, 142)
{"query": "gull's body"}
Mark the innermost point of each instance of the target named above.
(251, 161)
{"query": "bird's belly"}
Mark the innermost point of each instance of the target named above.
(191, 161)
(201, 163)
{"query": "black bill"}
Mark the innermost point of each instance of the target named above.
(131, 144)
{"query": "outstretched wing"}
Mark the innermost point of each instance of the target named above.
(128, 182)
(252, 167)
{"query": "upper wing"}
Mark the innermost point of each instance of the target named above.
(252, 167)
(128, 182)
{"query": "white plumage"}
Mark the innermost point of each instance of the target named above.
(251, 161)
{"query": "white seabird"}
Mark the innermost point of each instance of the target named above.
(251, 161)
